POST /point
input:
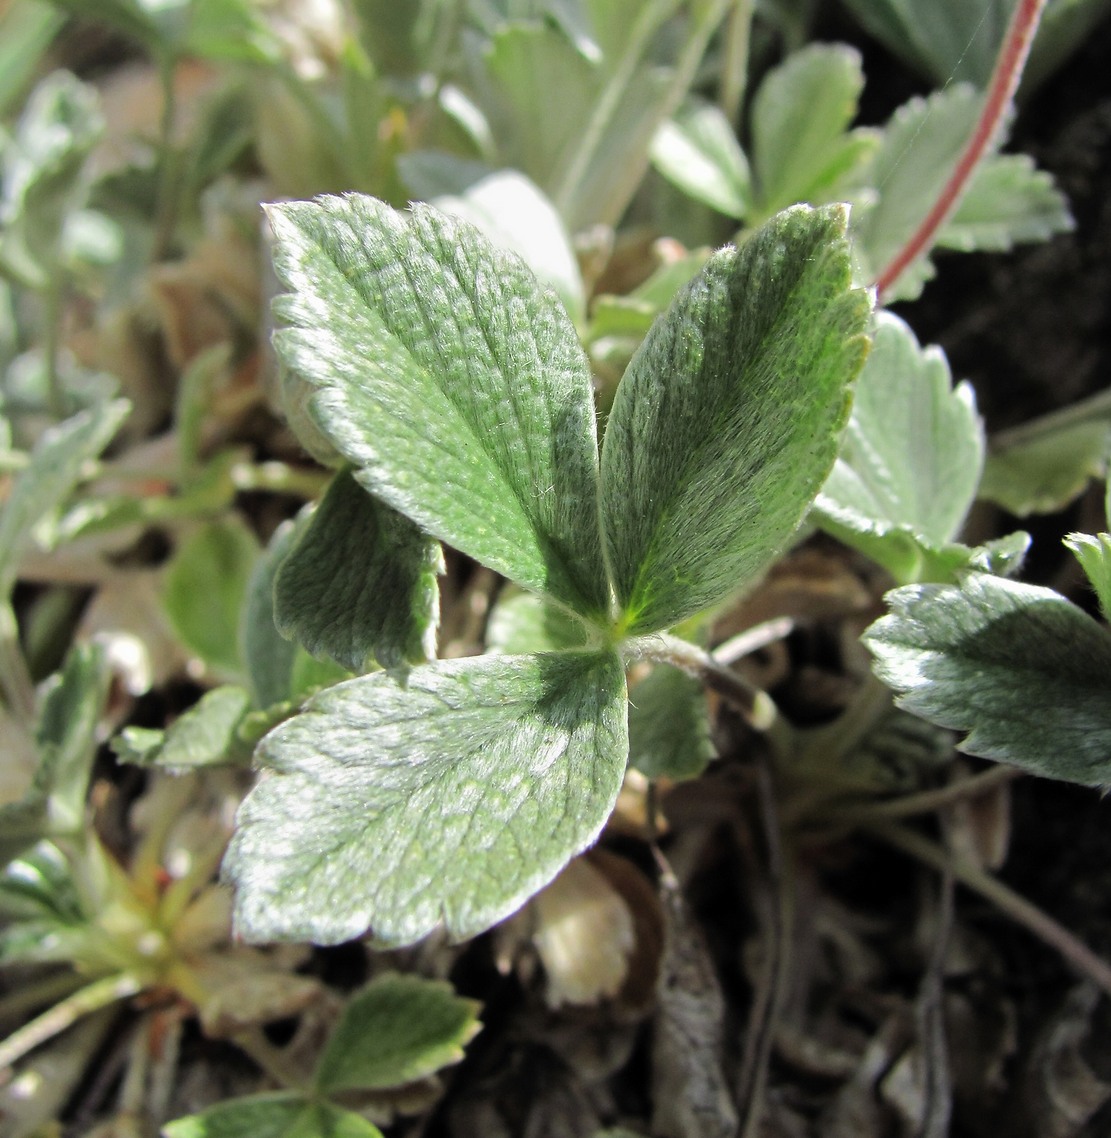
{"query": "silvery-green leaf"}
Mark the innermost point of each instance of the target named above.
(41, 183)
(66, 739)
(1023, 671)
(921, 142)
(945, 40)
(267, 655)
(448, 801)
(451, 381)
(515, 214)
(1045, 469)
(359, 583)
(537, 69)
(910, 463)
(727, 420)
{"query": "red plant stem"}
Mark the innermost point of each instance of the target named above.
(1001, 89)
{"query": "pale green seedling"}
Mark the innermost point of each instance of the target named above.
(454, 389)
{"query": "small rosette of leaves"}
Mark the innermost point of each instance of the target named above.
(454, 387)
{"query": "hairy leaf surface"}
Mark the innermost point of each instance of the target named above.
(204, 735)
(448, 801)
(521, 622)
(451, 381)
(360, 583)
(1007, 202)
(1017, 666)
(727, 420)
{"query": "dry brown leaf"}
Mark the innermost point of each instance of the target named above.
(979, 829)
(692, 1097)
(243, 988)
(584, 935)
(127, 616)
(1060, 1092)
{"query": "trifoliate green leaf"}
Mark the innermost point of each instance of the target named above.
(281, 1114)
(1094, 555)
(205, 587)
(727, 420)
(448, 801)
(54, 470)
(1018, 667)
(204, 735)
(397, 1030)
(698, 151)
(802, 149)
(359, 583)
(669, 726)
(451, 381)
(910, 463)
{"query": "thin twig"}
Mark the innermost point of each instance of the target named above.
(1001, 89)
(99, 994)
(923, 802)
(930, 1017)
(1010, 903)
(755, 705)
(269, 1058)
(1095, 407)
(734, 75)
(753, 639)
(775, 965)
